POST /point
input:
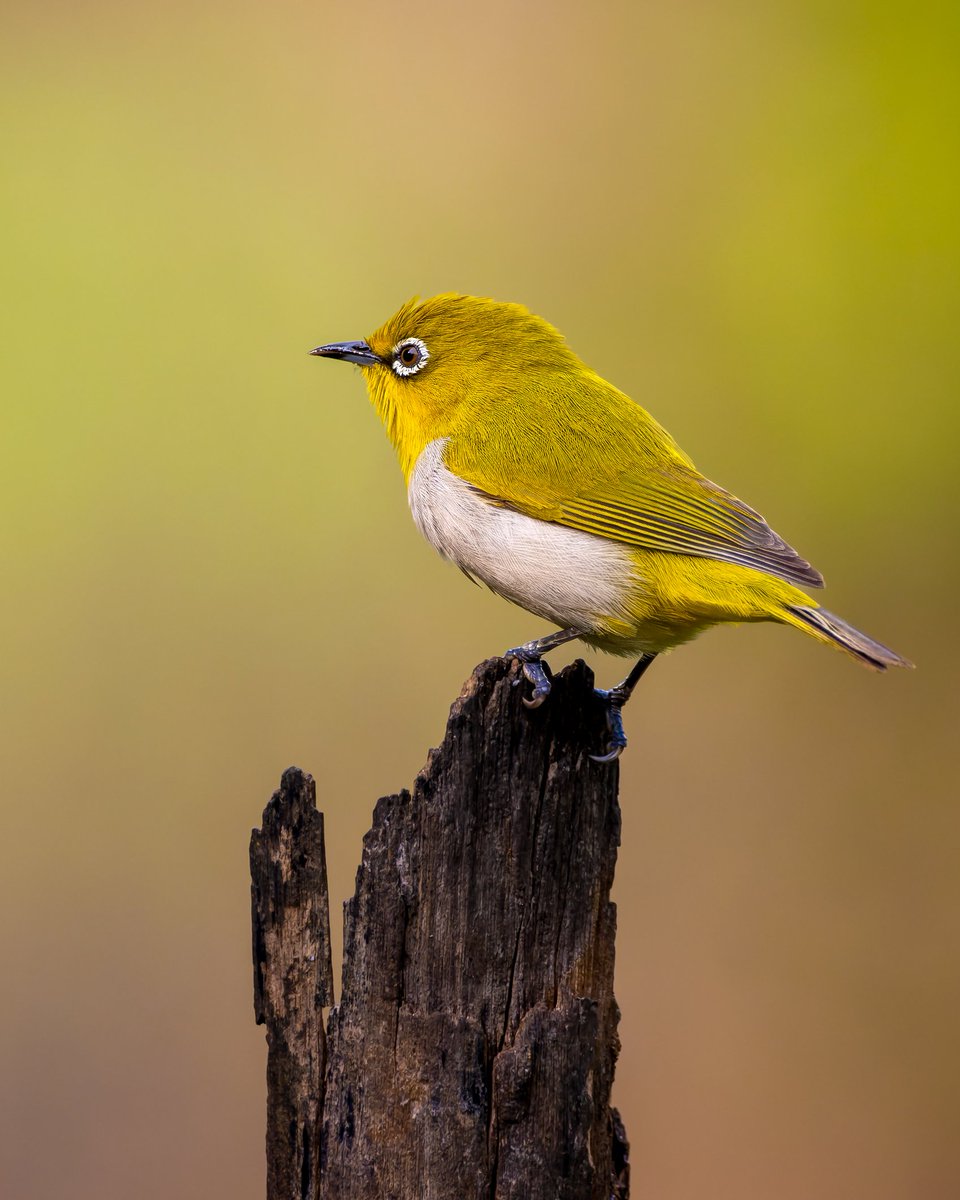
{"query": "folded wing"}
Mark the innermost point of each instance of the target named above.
(601, 464)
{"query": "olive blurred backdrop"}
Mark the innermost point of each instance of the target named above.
(746, 216)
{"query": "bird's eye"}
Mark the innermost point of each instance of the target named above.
(410, 356)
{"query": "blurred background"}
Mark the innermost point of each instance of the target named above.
(745, 215)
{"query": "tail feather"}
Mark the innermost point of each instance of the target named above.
(827, 626)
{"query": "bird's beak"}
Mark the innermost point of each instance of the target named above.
(355, 352)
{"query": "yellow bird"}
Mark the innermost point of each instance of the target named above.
(555, 489)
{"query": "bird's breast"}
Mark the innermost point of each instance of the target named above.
(571, 578)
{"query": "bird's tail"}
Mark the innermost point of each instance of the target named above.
(829, 628)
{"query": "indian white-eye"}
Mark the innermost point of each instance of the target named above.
(554, 488)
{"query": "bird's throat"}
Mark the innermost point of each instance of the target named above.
(409, 425)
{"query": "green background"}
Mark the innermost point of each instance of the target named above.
(747, 216)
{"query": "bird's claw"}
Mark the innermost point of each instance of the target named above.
(533, 669)
(541, 684)
(618, 739)
(610, 756)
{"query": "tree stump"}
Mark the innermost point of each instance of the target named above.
(472, 1052)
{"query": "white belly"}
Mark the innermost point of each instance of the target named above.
(571, 578)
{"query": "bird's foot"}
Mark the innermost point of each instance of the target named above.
(534, 670)
(614, 699)
(530, 654)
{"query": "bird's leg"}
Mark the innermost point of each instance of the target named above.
(531, 655)
(615, 699)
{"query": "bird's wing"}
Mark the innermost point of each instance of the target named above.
(614, 472)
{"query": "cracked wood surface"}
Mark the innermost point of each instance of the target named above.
(472, 1052)
(292, 978)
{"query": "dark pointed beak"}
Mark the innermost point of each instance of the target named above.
(355, 352)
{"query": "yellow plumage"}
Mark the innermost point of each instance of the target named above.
(490, 411)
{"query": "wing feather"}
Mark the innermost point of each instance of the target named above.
(646, 493)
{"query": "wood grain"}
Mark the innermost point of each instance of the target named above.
(473, 1049)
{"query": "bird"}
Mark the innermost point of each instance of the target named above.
(562, 494)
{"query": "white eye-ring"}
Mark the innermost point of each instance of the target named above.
(409, 356)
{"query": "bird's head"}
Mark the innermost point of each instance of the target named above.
(439, 362)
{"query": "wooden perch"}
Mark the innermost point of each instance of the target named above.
(472, 1052)
(292, 978)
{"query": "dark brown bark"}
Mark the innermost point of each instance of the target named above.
(472, 1052)
(292, 979)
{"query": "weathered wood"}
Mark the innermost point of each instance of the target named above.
(292, 979)
(473, 1049)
